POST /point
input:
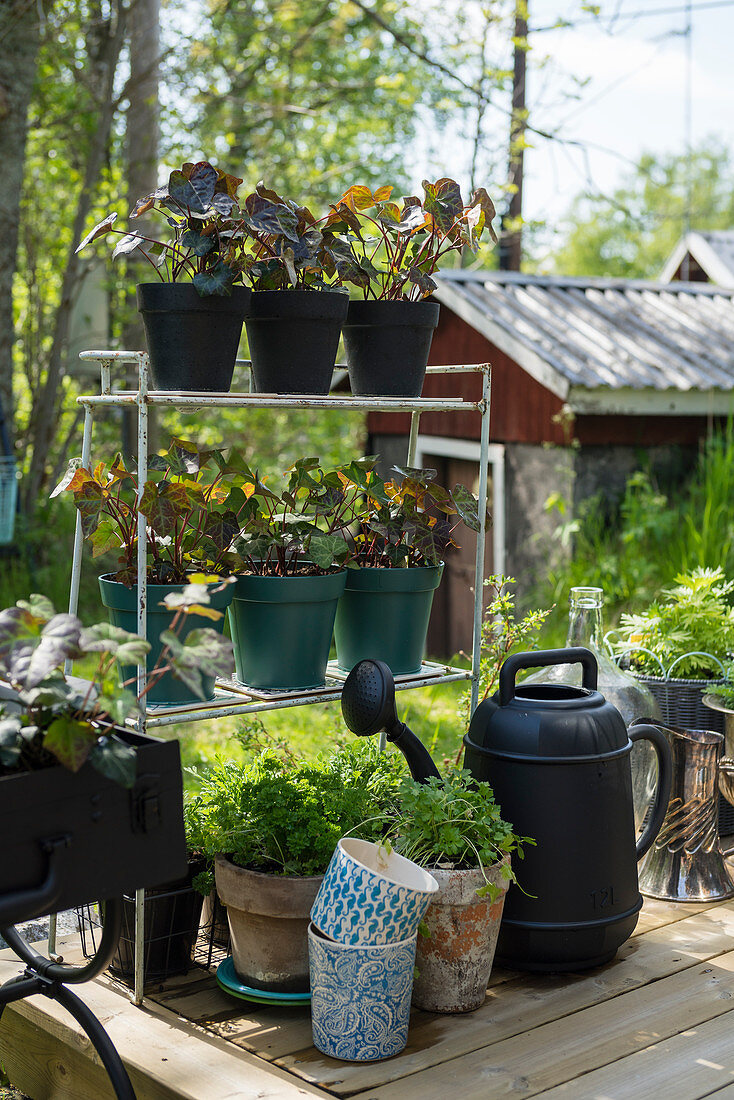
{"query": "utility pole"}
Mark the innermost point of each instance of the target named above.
(510, 251)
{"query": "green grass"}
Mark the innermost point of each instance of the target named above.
(432, 713)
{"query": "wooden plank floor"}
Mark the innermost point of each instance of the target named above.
(658, 1021)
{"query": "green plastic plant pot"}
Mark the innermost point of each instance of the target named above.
(122, 606)
(281, 629)
(384, 614)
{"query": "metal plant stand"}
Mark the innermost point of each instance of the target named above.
(42, 975)
(231, 697)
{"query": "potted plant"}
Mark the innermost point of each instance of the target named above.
(290, 570)
(192, 311)
(296, 312)
(453, 828)
(189, 528)
(272, 825)
(395, 251)
(402, 530)
(679, 644)
(88, 808)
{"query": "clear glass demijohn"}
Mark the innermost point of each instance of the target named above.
(631, 698)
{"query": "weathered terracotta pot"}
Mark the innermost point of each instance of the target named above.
(268, 923)
(454, 963)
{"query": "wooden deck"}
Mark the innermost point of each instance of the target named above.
(656, 1022)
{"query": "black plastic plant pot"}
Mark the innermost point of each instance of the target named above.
(384, 614)
(73, 838)
(387, 346)
(281, 629)
(293, 337)
(192, 339)
(172, 913)
(122, 604)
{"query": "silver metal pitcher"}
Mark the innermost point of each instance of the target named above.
(685, 862)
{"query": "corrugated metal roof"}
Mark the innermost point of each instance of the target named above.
(601, 333)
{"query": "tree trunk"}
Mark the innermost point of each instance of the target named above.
(45, 412)
(141, 154)
(19, 41)
(510, 258)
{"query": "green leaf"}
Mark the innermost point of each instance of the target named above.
(104, 638)
(221, 527)
(325, 550)
(199, 243)
(99, 230)
(467, 506)
(105, 537)
(89, 500)
(59, 640)
(444, 202)
(115, 760)
(10, 741)
(39, 606)
(218, 280)
(203, 653)
(70, 741)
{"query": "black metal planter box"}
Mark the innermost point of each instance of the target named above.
(72, 838)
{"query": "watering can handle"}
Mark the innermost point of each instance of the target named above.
(540, 658)
(659, 742)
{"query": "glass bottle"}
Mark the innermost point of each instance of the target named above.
(632, 699)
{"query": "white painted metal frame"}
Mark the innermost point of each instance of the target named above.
(231, 701)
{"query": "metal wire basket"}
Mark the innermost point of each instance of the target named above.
(176, 937)
(8, 498)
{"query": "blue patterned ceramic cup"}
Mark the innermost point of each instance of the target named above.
(370, 896)
(360, 997)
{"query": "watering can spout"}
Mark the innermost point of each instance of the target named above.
(368, 707)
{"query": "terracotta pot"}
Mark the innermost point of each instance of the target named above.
(268, 924)
(455, 961)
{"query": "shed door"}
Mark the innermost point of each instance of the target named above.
(452, 617)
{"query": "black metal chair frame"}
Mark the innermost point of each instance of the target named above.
(42, 975)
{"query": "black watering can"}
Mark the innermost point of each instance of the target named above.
(558, 760)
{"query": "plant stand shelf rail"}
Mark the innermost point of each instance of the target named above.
(656, 1021)
(232, 699)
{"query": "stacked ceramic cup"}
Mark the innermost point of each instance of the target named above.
(361, 943)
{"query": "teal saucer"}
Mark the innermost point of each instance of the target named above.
(230, 983)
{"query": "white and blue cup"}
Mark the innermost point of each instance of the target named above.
(360, 997)
(371, 895)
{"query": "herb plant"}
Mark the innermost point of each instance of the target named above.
(454, 823)
(694, 617)
(502, 633)
(277, 817)
(396, 249)
(199, 204)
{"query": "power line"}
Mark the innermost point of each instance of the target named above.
(705, 5)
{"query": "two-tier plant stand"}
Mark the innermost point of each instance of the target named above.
(231, 697)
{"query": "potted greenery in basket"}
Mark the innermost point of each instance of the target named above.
(296, 312)
(189, 528)
(395, 251)
(193, 312)
(88, 808)
(290, 570)
(272, 825)
(453, 828)
(402, 530)
(679, 644)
